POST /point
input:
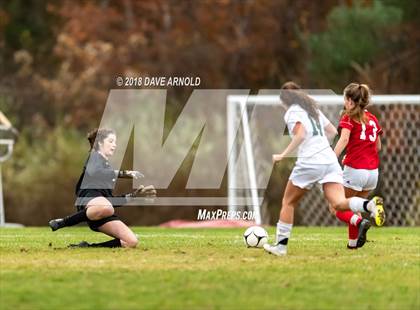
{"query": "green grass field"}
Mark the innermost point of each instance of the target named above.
(209, 269)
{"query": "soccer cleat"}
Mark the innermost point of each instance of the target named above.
(351, 247)
(364, 226)
(56, 224)
(379, 213)
(82, 244)
(278, 250)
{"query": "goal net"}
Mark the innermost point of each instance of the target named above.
(256, 130)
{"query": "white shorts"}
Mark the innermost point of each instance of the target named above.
(360, 179)
(306, 175)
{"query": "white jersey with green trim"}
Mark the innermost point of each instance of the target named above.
(315, 148)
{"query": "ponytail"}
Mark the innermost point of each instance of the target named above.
(360, 95)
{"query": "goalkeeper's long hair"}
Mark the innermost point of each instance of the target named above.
(98, 135)
(292, 94)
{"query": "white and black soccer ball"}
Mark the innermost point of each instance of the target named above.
(255, 237)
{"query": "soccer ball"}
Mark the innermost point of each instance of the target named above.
(255, 237)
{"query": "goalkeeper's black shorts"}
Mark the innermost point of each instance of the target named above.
(94, 225)
(84, 196)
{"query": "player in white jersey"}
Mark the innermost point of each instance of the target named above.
(316, 163)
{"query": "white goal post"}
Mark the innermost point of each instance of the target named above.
(399, 182)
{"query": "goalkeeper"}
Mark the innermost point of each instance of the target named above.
(94, 194)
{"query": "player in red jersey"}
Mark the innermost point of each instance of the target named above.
(360, 135)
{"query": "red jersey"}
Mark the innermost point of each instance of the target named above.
(361, 150)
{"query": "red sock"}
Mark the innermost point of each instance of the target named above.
(344, 216)
(353, 232)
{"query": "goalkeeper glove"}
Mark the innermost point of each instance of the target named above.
(130, 174)
(143, 191)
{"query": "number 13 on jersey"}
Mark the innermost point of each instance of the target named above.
(372, 137)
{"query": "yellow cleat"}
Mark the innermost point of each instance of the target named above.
(380, 212)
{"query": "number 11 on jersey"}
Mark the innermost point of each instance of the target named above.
(316, 127)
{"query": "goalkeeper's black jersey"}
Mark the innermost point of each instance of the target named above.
(98, 175)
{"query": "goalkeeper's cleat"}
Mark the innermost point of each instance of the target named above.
(379, 212)
(56, 224)
(364, 226)
(278, 250)
(82, 244)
